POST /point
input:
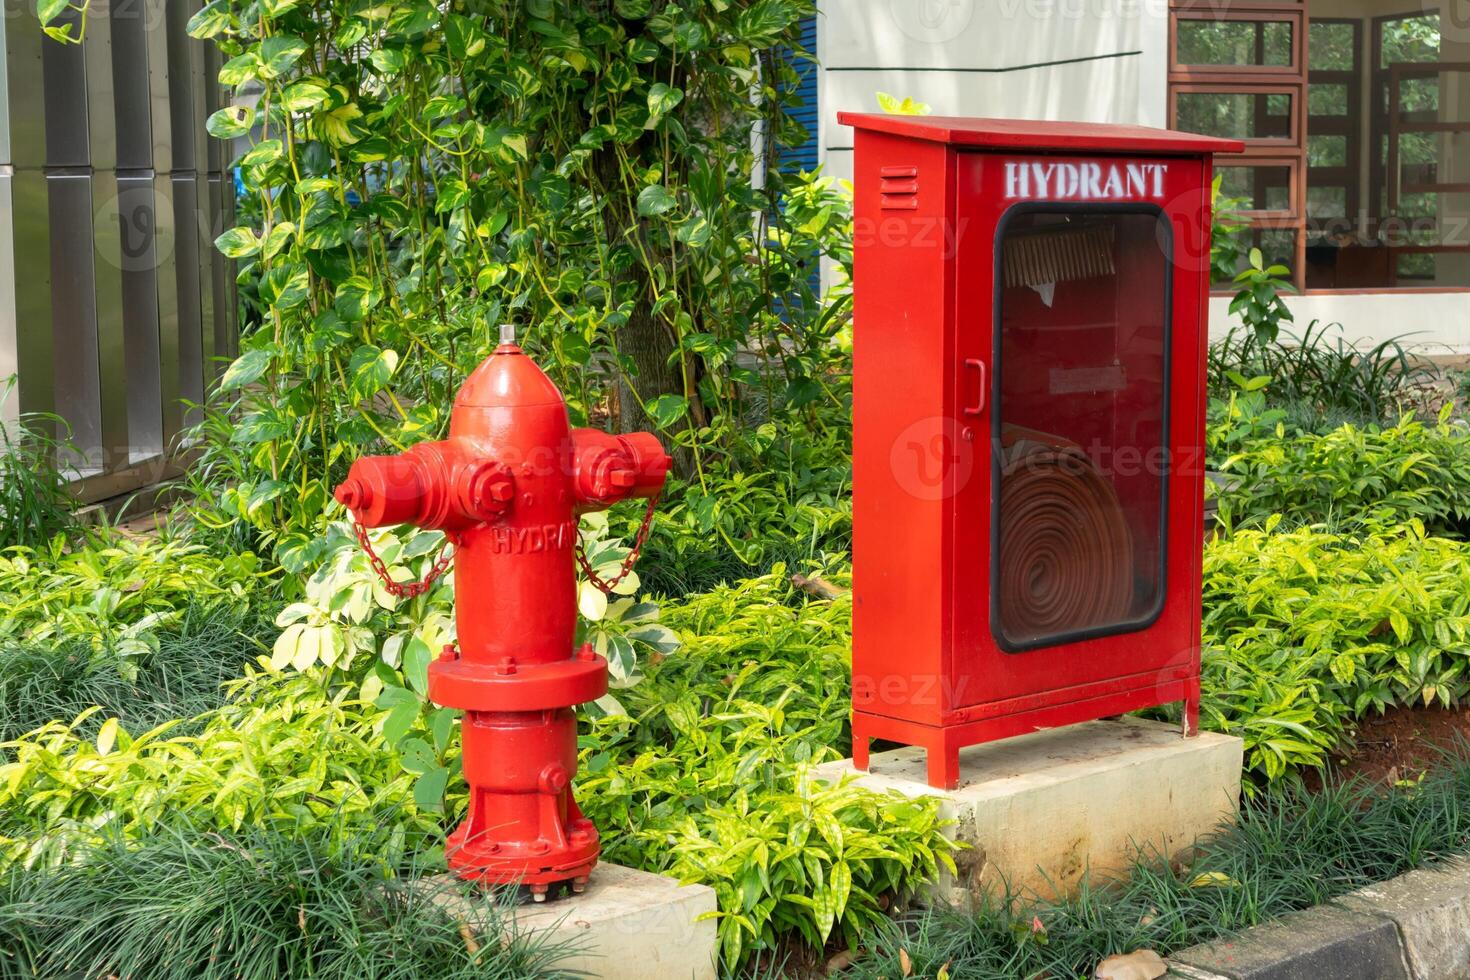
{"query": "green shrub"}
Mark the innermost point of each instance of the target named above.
(195, 904)
(1405, 471)
(148, 630)
(1306, 630)
(280, 754)
(34, 503)
(1290, 850)
(785, 497)
(419, 172)
(706, 784)
(702, 778)
(118, 592)
(1258, 300)
(380, 646)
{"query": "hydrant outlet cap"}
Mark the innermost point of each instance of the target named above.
(353, 495)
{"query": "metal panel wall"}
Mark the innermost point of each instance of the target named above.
(142, 324)
(111, 294)
(9, 399)
(132, 85)
(30, 271)
(186, 266)
(76, 362)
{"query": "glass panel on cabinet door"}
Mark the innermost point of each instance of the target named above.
(1081, 423)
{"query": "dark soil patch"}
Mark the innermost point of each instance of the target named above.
(1402, 744)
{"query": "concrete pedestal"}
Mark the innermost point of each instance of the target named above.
(627, 925)
(1040, 810)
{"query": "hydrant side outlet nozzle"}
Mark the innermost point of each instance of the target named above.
(509, 482)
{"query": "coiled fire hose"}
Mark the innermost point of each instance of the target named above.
(1066, 553)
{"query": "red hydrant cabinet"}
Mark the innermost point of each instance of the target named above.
(1029, 392)
(506, 487)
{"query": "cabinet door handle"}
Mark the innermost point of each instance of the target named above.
(979, 406)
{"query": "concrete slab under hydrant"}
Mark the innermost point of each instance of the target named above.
(1039, 810)
(627, 925)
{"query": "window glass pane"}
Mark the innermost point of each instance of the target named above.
(1326, 150)
(1419, 96)
(1331, 47)
(1256, 188)
(1425, 227)
(1433, 158)
(1409, 39)
(1082, 423)
(1327, 99)
(1277, 245)
(1326, 201)
(1416, 266)
(1234, 42)
(1239, 115)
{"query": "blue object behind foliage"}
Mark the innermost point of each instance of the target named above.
(807, 155)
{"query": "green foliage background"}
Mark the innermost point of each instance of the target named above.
(420, 173)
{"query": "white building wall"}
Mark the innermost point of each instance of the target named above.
(1436, 324)
(1083, 60)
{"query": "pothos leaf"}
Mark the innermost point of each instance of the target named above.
(370, 370)
(246, 368)
(662, 99)
(230, 122)
(665, 410)
(355, 299)
(655, 199)
(238, 243)
(209, 21)
(49, 10)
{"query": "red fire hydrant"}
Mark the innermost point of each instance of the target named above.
(506, 488)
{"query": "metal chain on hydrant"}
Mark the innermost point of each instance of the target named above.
(411, 590)
(403, 590)
(602, 585)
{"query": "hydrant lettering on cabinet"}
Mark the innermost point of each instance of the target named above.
(506, 487)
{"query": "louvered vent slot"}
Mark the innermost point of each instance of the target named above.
(899, 188)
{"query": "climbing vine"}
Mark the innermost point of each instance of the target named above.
(600, 172)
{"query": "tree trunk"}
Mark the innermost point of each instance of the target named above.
(647, 345)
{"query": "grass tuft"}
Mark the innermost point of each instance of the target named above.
(1291, 850)
(182, 678)
(34, 502)
(194, 905)
(1320, 379)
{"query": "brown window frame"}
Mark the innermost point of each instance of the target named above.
(1392, 169)
(1295, 16)
(1263, 80)
(1269, 217)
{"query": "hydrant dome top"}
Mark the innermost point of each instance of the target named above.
(508, 378)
